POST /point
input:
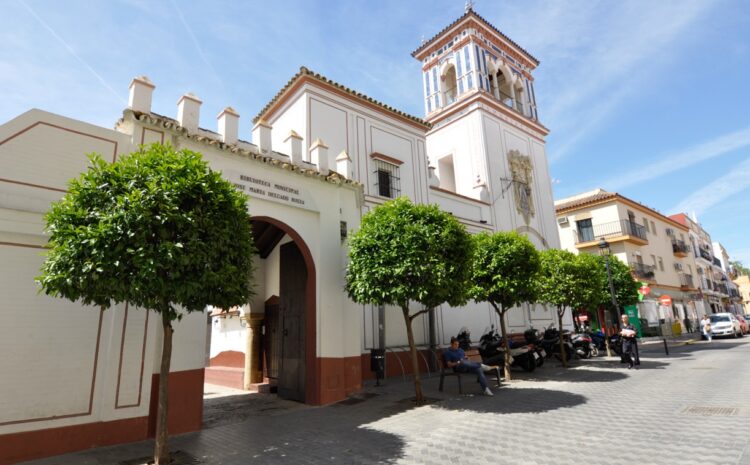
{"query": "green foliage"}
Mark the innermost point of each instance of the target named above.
(504, 266)
(626, 287)
(157, 229)
(740, 268)
(569, 280)
(404, 252)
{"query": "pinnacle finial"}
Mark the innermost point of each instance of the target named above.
(469, 6)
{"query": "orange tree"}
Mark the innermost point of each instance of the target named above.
(159, 230)
(504, 268)
(570, 281)
(406, 254)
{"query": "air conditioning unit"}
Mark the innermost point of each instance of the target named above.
(562, 221)
(678, 266)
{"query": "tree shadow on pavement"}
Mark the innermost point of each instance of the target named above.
(573, 374)
(515, 400)
(646, 364)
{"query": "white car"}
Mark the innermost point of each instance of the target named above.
(725, 324)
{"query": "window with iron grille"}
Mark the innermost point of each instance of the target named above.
(386, 179)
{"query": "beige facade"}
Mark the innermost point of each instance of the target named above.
(743, 286)
(654, 246)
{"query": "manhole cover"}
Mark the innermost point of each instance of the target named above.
(707, 411)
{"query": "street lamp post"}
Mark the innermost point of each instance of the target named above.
(605, 251)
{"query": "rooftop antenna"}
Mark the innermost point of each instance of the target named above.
(469, 6)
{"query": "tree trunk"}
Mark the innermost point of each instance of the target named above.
(414, 362)
(503, 332)
(161, 451)
(563, 355)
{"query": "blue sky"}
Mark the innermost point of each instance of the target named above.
(647, 98)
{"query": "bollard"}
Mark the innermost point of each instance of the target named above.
(666, 348)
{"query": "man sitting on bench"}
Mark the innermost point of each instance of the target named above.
(456, 358)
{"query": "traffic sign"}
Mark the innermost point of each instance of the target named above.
(644, 290)
(665, 300)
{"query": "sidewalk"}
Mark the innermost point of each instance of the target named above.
(672, 341)
(381, 425)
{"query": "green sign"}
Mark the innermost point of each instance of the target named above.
(632, 312)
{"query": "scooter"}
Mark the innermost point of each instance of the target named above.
(534, 341)
(583, 345)
(464, 339)
(491, 347)
(551, 343)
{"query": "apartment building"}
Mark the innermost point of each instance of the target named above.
(733, 301)
(743, 286)
(712, 286)
(657, 249)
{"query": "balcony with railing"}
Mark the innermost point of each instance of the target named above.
(686, 282)
(705, 254)
(680, 248)
(716, 262)
(615, 231)
(514, 104)
(720, 288)
(734, 293)
(643, 271)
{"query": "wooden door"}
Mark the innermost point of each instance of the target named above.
(293, 281)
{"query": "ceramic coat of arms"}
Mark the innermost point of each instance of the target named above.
(521, 171)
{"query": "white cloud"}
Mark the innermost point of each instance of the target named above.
(596, 55)
(721, 145)
(718, 190)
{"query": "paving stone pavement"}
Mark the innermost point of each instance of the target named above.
(691, 407)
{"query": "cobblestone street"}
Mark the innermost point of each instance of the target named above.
(687, 408)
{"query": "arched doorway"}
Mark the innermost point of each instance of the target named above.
(292, 316)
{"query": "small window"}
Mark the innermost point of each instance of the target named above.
(653, 228)
(653, 259)
(387, 180)
(661, 264)
(447, 173)
(645, 224)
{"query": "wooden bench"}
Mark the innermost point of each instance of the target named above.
(473, 356)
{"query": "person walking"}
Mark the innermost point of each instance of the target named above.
(706, 327)
(629, 343)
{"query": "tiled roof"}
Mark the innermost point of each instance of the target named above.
(579, 202)
(250, 151)
(602, 195)
(471, 12)
(303, 71)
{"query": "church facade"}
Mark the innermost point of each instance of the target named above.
(322, 156)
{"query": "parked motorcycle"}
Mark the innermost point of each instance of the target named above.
(464, 338)
(583, 345)
(534, 341)
(491, 347)
(551, 344)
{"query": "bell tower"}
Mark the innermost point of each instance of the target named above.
(470, 57)
(486, 136)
